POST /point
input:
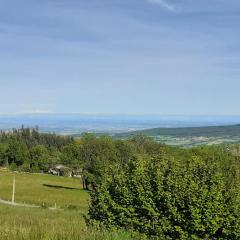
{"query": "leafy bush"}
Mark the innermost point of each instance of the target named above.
(13, 167)
(170, 199)
(25, 167)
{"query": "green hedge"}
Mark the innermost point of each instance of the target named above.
(170, 199)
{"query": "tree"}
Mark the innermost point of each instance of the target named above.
(38, 157)
(169, 198)
(17, 152)
(96, 155)
(3, 157)
(71, 155)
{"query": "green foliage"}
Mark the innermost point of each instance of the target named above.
(17, 152)
(38, 158)
(31, 137)
(96, 154)
(28, 150)
(71, 155)
(170, 199)
(3, 157)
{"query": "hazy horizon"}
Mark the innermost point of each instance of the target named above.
(78, 123)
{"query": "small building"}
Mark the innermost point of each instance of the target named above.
(61, 170)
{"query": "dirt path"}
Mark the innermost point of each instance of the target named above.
(18, 204)
(27, 205)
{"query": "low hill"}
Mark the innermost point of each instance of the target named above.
(190, 136)
(212, 131)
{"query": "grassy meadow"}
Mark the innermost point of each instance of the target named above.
(44, 190)
(20, 223)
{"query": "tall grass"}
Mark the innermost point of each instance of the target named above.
(43, 224)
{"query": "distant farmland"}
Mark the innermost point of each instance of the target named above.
(190, 136)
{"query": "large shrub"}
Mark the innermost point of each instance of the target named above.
(170, 199)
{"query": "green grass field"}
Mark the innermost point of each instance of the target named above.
(20, 223)
(45, 190)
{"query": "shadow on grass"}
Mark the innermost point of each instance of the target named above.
(60, 187)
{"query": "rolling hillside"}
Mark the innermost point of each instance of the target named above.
(190, 136)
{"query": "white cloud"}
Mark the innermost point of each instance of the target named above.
(164, 4)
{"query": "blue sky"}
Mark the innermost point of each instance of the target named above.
(120, 56)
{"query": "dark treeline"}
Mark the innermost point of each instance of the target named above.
(140, 185)
(27, 149)
(31, 137)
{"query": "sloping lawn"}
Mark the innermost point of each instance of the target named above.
(44, 190)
